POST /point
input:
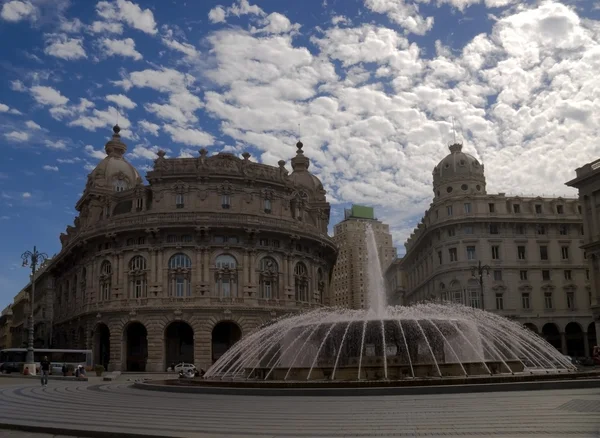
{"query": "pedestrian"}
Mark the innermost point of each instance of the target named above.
(64, 370)
(45, 369)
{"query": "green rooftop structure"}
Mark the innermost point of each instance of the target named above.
(359, 212)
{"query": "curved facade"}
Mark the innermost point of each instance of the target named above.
(538, 274)
(181, 268)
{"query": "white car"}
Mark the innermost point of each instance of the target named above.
(185, 367)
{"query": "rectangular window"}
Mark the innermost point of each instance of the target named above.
(523, 275)
(538, 208)
(267, 206)
(471, 253)
(541, 229)
(567, 274)
(581, 231)
(172, 238)
(546, 275)
(525, 301)
(493, 228)
(564, 252)
(499, 302)
(264, 242)
(492, 208)
(467, 207)
(543, 253)
(495, 252)
(468, 229)
(141, 240)
(440, 257)
(497, 275)
(570, 301)
(139, 204)
(451, 232)
(449, 210)
(453, 254)
(563, 230)
(138, 288)
(560, 209)
(520, 229)
(437, 214)
(516, 208)
(219, 239)
(179, 200)
(587, 274)
(225, 201)
(548, 303)
(584, 255)
(521, 252)
(579, 209)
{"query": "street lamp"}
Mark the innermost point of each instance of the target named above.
(33, 259)
(478, 271)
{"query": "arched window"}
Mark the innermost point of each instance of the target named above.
(456, 293)
(268, 278)
(301, 282)
(180, 275)
(226, 276)
(105, 280)
(443, 292)
(473, 297)
(120, 185)
(137, 277)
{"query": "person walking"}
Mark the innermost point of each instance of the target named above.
(45, 369)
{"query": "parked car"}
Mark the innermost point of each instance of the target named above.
(185, 367)
(9, 367)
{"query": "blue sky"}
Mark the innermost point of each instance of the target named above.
(371, 87)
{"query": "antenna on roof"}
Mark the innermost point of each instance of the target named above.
(117, 114)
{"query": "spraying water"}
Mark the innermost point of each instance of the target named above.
(376, 292)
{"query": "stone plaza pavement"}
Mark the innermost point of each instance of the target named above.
(115, 408)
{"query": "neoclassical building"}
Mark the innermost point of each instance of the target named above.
(538, 274)
(179, 269)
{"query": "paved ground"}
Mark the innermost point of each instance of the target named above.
(115, 407)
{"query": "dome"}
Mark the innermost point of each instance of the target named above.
(458, 174)
(114, 171)
(301, 176)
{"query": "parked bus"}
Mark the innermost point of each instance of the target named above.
(12, 359)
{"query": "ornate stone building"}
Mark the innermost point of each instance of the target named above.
(538, 274)
(181, 268)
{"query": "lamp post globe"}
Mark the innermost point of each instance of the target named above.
(32, 259)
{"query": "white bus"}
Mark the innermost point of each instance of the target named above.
(12, 359)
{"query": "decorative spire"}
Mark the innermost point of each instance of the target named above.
(455, 147)
(115, 147)
(300, 163)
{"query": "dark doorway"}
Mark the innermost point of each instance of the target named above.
(224, 335)
(136, 341)
(551, 334)
(531, 327)
(574, 335)
(179, 343)
(592, 337)
(102, 345)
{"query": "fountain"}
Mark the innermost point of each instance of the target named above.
(428, 340)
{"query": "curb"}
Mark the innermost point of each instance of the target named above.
(376, 391)
(38, 377)
(81, 433)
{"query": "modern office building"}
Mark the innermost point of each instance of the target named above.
(350, 275)
(533, 269)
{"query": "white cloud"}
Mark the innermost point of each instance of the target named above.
(17, 136)
(276, 23)
(17, 85)
(18, 10)
(26, 195)
(94, 153)
(121, 100)
(101, 119)
(189, 136)
(48, 96)
(55, 144)
(64, 47)
(149, 127)
(405, 14)
(68, 160)
(142, 152)
(124, 48)
(185, 48)
(50, 168)
(106, 27)
(32, 125)
(6, 109)
(337, 19)
(164, 80)
(72, 26)
(128, 12)
(218, 14)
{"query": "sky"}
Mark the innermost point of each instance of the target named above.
(371, 87)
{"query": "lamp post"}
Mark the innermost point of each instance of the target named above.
(32, 259)
(478, 272)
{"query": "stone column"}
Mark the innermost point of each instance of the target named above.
(160, 268)
(206, 266)
(586, 345)
(252, 269)
(156, 350)
(116, 345)
(563, 342)
(154, 265)
(246, 266)
(197, 269)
